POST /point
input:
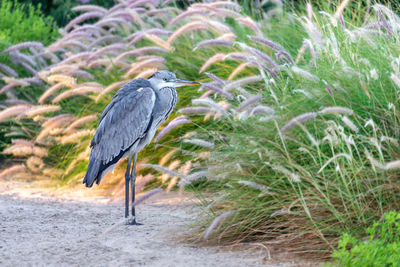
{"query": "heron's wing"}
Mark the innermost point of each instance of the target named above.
(123, 122)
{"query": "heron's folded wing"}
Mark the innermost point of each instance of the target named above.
(123, 122)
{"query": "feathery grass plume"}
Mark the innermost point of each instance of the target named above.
(21, 149)
(194, 110)
(13, 111)
(51, 91)
(216, 222)
(232, 5)
(336, 111)
(305, 74)
(147, 195)
(172, 125)
(258, 54)
(107, 22)
(216, 79)
(313, 32)
(199, 142)
(349, 124)
(140, 51)
(238, 83)
(17, 82)
(86, 8)
(12, 170)
(104, 40)
(298, 120)
(75, 43)
(110, 88)
(76, 57)
(262, 110)
(99, 63)
(148, 63)
(249, 23)
(41, 109)
(254, 185)
(393, 165)
(217, 90)
(146, 73)
(141, 183)
(266, 42)
(172, 183)
(191, 26)
(187, 13)
(347, 156)
(248, 102)
(8, 70)
(395, 79)
(111, 47)
(166, 157)
(239, 68)
(293, 177)
(212, 60)
(61, 68)
(79, 122)
(137, 36)
(83, 17)
(309, 11)
(158, 41)
(65, 79)
(20, 59)
(83, 90)
(239, 56)
(80, 73)
(172, 166)
(7, 87)
(20, 46)
(126, 15)
(390, 140)
(163, 170)
(76, 136)
(210, 103)
(58, 121)
(35, 164)
(22, 141)
(213, 42)
(283, 56)
(195, 176)
(340, 8)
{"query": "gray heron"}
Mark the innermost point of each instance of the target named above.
(129, 123)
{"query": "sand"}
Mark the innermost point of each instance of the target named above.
(40, 227)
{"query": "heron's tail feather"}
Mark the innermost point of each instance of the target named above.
(92, 172)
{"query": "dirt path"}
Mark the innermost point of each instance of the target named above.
(40, 229)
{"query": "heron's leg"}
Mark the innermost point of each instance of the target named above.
(127, 178)
(133, 180)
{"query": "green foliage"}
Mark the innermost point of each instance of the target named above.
(61, 10)
(381, 249)
(22, 23)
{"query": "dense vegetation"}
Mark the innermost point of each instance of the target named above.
(294, 130)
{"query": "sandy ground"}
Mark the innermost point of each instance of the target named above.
(39, 227)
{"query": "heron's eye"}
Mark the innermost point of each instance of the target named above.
(165, 79)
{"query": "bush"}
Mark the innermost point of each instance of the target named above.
(22, 23)
(381, 249)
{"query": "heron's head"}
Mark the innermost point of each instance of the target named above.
(164, 78)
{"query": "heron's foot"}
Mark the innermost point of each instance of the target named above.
(132, 221)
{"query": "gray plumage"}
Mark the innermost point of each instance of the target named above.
(129, 122)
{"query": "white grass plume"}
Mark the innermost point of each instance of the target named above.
(12, 170)
(298, 120)
(216, 222)
(336, 110)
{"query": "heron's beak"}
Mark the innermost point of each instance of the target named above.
(180, 82)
